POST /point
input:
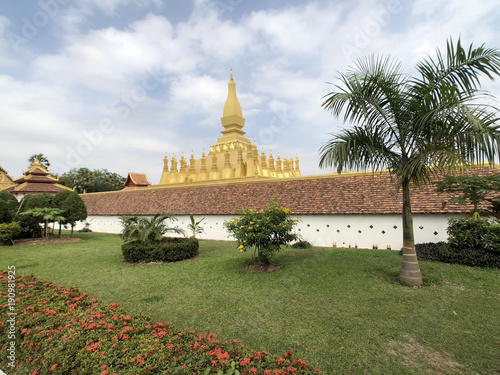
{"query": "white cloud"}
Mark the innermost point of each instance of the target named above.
(98, 60)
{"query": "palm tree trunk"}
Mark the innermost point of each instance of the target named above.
(410, 270)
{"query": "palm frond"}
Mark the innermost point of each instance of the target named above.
(459, 67)
(357, 148)
(369, 92)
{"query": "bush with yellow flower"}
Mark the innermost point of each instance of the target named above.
(264, 231)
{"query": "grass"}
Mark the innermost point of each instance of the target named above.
(342, 310)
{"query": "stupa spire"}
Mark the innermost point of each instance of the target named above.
(232, 119)
(232, 106)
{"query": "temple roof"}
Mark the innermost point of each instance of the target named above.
(5, 180)
(136, 180)
(36, 180)
(354, 193)
(37, 188)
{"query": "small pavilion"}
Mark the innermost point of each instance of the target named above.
(36, 180)
(136, 181)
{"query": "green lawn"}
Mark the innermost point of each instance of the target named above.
(342, 310)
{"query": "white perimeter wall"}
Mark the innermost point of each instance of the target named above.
(362, 231)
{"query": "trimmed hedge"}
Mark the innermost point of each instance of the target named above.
(443, 252)
(302, 245)
(169, 249)
(62, 331)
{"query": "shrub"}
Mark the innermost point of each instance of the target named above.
(470, 233)
(302, 245)
(265, 231)
(169, 249)
(443, 252)
(63, 331)
(8, 232)
(8, 207)
(31, 225)
(492, 238)
(147, 230)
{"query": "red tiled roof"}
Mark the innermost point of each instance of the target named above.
(37, 188)
(136, 180)
(37, 171)
(352, 194)
(36, 178)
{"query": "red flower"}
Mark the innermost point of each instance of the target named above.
(253, 370)
(127, 318)
(105, 372)
(93, 347)
(53, 367)
(244, 362)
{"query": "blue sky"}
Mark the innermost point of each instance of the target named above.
(116, 84)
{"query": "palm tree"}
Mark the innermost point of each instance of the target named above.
(147, 230)
(195, 226)
(41, 158)
(416, 127)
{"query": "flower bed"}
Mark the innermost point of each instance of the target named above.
(64, 331)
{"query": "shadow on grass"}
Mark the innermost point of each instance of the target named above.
(430, 278)
(296, 254)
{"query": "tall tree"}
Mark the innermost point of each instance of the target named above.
(415, 127)
(473, 189)
(30, 223)
(74, 209)
(57, 202)
(86, 180)
(42, 159)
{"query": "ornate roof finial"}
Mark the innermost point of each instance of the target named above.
(231, 73)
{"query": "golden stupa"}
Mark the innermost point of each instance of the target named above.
(233, 157)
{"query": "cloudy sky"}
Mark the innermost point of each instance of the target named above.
(115, 84)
